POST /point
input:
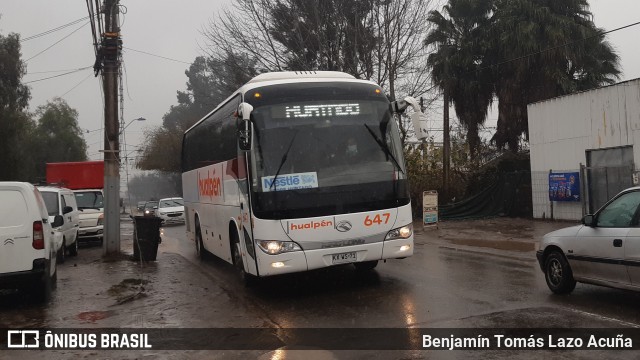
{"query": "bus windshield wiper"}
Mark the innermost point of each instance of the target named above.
(384, 148)
(282, 161)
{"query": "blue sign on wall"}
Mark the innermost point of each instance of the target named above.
(564, 186)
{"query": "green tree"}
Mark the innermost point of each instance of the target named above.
(57, 136)
(15, 125)
(209, 82)
(527, 28)
(335, 35)
(459, 63)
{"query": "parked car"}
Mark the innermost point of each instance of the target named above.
(171, 210)
(150, 208)
(28, 252)
(91, 206)
(61, 201)
(604, 250)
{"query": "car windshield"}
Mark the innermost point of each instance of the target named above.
(51, 201)
(150, 205)
(89, 200)
(171, 203)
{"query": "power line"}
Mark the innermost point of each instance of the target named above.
(55, 43)
(556, 47)
(48, 72)
(53, 30)
(55, 76)
(162, 57)
(75, 86)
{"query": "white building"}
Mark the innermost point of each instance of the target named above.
(598, 130)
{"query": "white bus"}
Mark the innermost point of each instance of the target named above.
(299, 171)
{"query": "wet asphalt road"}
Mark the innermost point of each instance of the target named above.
(438, 287)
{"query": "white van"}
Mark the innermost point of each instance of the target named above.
(91, 206)
(27, 248)
(62, 201)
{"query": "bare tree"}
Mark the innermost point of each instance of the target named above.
(245, 29)
(378, 40)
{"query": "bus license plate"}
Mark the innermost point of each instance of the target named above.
(344, 258)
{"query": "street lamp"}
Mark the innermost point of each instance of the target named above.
(126, 160)
(130, 122)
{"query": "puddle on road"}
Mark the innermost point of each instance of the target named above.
(128, 290)
(499, 245)
(93, 316)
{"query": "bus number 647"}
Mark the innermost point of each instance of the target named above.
(377, 219)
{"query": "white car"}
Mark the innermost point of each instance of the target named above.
(604, 250)
(27, 240)
(61, 201)
(91, 206)
(171, 210)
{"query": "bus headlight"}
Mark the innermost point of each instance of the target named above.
(400, 233)
(275, 247)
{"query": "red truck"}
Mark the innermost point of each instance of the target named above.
(86, 179)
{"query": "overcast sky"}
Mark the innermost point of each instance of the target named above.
(173, 29)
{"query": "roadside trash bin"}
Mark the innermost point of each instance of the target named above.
(146, 237)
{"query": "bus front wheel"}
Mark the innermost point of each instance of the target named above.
(248, 279)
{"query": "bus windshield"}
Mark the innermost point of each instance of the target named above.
(324, 148)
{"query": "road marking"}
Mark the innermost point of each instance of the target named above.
(602, 317)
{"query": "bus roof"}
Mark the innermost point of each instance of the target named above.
(283, 77)
(297, 75)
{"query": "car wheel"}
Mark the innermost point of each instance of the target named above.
(558, 274)
(61, 256)
(43, 287)
(73, 248)
(366, 265)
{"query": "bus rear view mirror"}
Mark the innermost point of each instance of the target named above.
(419, 120)
(244, 131)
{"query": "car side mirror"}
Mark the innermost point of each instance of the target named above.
(66, 210)
(587, 220)
(58, 221)
(244, 128)
(155, 207)
(418, 118)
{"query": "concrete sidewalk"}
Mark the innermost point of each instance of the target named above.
(513, 237)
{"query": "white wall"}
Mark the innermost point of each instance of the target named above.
(563, 128)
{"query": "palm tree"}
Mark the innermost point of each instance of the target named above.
(458, 65)
(534, 33)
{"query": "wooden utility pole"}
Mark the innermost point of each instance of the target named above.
(110, 52)
(446, 146)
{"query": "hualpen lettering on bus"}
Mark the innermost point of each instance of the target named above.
(312, 225)
(209, 186)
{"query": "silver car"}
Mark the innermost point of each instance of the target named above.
(604, 250)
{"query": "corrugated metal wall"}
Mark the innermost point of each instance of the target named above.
(563, 128)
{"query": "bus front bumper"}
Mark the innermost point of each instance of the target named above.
(298, 261)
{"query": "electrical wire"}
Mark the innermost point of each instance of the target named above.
(159, 56)
(75, 86)
(48, 72)
(561, 45)
(55, 76)
(57, 42)
(53, 30)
